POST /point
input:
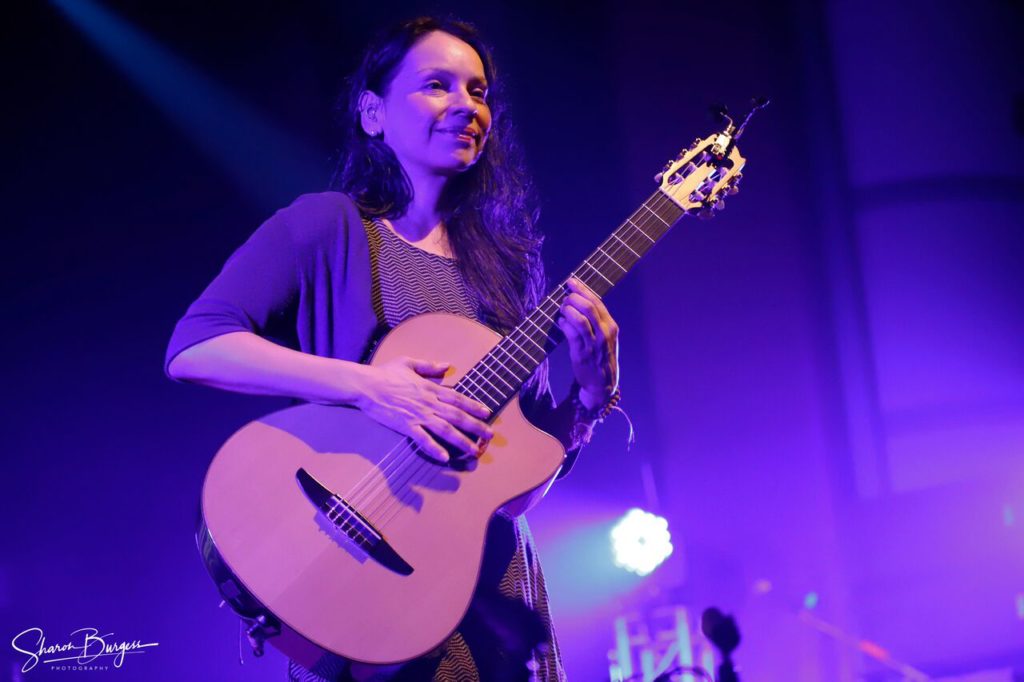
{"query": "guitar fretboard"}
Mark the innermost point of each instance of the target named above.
(501, 373)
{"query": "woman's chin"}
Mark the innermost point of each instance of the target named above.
(459, 163)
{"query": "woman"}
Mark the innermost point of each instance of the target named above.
(433, 213)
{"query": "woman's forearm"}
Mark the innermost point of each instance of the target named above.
(247, 363)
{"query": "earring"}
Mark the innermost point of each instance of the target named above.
(371, 113)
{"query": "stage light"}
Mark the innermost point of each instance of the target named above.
(810, 600)
(641, 541)
(273, 165)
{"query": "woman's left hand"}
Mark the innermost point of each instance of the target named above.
(593, 343)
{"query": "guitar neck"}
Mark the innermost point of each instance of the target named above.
(501, 373)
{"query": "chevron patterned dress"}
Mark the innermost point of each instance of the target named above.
(512, 596)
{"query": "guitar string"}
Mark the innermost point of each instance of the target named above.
(631, 225)
(618, 249)
(630, 232)
(415, 473)
(418, 467)
(386, 468)
(359, 491)
(490, 362)
(494, 357)
(492, 402)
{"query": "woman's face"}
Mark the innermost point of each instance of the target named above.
(435, 115)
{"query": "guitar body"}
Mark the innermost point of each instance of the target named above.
(264, 538)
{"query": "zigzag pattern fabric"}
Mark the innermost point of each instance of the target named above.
(409, 281)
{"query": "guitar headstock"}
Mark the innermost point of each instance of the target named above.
(698, 179)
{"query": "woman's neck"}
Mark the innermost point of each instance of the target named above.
(422, 218)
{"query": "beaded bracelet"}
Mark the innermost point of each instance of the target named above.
(599, 413)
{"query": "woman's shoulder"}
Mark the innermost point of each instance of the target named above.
(321, 219)
(319, 210)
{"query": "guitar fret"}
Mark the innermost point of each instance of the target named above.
(468, 377)
(621, 241)
(540, 310)
(523, 350)
(514, 357)
(496, 373)
(637, 228)
(672, 210)
(626, 250)
(613, 275)
(480, 375)
(483, 376)
(487, 400)
(651, 211)
(624, 270)
(589, 265)
(530, 338)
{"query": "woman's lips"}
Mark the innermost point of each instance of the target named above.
(463, 134)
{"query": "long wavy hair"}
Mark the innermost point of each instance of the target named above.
(489, 210)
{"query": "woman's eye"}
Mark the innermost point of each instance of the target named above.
(434, 85)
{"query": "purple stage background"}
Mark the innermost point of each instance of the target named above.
(827, 379)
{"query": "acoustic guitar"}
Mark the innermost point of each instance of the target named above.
(330, 533)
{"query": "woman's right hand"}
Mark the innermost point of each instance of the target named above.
(406, 396)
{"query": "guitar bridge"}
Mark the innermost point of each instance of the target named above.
(347, 521)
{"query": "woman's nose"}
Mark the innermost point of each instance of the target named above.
(464, 102)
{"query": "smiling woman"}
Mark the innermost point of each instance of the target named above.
(432, 213)
(434, 115)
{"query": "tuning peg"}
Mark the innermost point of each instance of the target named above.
(659, 176)
(734, 184)
(718, 111)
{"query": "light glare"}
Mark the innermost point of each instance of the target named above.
(641, 541)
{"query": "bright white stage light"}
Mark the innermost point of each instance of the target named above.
(641, 541)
